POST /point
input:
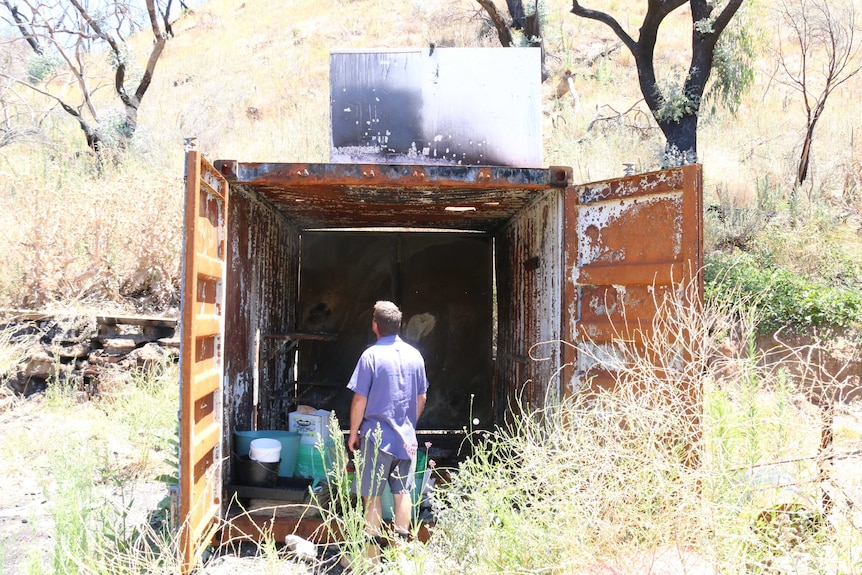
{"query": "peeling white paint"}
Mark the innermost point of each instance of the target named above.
(536, 306)
(600, 356)
(601, 191)
(593, 219)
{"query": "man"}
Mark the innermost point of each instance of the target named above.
(389, 385)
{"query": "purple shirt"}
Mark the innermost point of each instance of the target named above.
(391, 374)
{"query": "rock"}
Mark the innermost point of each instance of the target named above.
(98, 358)
(85, 351)
(301, 548)
(40, 364)
(148, 357)
(76, 351)
(170, 342)
(121, 345)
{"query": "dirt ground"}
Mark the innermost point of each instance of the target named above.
(26, 514)
(26, 523)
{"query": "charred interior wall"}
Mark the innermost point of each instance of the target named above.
(442, 281)
(263, 257)
(529, 288)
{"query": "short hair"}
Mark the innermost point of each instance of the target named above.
(388, 317)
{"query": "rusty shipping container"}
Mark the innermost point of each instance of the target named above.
(283, 262)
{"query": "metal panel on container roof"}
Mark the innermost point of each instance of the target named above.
(457, 106)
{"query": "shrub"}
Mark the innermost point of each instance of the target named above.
(40, 67)
(781, 297)
(678, 467)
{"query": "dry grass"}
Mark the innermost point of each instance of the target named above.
(89, 240)
(711, 467)
(249, 81)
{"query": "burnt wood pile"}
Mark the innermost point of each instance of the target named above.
(83, 352)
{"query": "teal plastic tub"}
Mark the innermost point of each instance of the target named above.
(312, 462)
(289, 446)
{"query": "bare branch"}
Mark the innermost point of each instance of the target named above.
(72, 34)
(25, 28)
(606, 19)
(829, 50)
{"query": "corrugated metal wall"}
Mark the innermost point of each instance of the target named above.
(262, 282)
(633, 241)
(529, 290)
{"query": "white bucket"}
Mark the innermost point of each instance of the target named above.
(265, 450)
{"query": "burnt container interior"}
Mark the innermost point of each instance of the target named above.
(471, 254)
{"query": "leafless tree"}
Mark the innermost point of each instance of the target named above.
(818, 50)
(675, 110)
(67, 32)
(529, 25)
(18, 119)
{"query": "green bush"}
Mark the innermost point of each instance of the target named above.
(780, 297)
(40, 67)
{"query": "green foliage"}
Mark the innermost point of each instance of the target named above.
(88, 458)
(676, 103)
(733, 64)
(781, 297)
(145, 406)
(729, 224)
(39, 67)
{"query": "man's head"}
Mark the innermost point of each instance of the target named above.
(387, 317)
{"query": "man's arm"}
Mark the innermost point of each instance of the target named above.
(357, 413)
(420, 405)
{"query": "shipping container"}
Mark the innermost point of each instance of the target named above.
(498, 271)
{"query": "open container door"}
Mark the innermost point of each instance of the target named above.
(630, 242)
(201, 355)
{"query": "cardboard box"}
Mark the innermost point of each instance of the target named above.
(313, 428)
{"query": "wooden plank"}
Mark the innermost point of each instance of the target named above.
(315, 336)
(32, 315)
(274, 493)
(256, 526)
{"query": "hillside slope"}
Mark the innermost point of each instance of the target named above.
(248, 80)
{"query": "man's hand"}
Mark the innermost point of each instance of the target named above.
(353, 441)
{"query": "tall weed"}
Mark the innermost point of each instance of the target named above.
(714, 458)
(90, 459)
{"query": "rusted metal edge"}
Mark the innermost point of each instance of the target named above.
(379, 175)
(650, 183)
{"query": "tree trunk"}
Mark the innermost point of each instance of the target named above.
(805, 155)
(681, 133)
(25, 28)
(681, 136)
(499, 21)
(516, 11)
